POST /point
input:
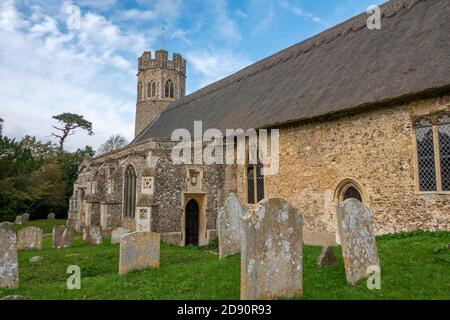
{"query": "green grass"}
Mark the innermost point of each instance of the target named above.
(414, 266)
(46, 225)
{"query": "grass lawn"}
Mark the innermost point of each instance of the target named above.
(414, 266)
(46, 225)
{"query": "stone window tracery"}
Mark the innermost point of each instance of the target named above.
(433, 153)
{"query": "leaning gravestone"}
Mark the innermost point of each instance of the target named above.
(272, 250)
(9, 267)
(117, 234)
(229, 227)
(139, 250)
(67, 237)
(51, 216)
(30, 238)
(58, 236)
(359, 246)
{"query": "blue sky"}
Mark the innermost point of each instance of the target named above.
(50, 65)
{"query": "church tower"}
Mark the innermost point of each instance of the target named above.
(160, 81)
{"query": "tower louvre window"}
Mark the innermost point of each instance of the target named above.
(169, 89)
(151, 89)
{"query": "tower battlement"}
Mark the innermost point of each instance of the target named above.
(161, 60)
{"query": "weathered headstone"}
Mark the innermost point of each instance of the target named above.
(58, 236)
(139, 250)
(51, 216)
(86, 231)
(117, 234)
(92, 235)
(25, 217)
(359, 246)
(96, 234)
(272, 251)
(9, 266)
(327, 257)
(229, 227)
(67, 237)
(30, 238)
(19, 219)
(7, 224)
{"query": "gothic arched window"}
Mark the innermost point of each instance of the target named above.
(169, 89)
(443, 128)
(129, 193)
(153, 89)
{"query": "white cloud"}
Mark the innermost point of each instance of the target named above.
(301, 12)
(46, 71)
(211, 65)
(224, 25)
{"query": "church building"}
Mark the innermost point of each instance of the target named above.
(362, 113)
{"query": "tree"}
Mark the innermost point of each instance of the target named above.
(16, 167)
(116, 141)
(69, 123)
(40, 151)
(1, 127)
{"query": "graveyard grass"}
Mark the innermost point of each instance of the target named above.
(45, 225)
(414, 266)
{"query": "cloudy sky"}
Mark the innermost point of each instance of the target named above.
(80, 56)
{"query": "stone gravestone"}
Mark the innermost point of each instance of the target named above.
(139, 250)
(92, 235)
(51, 216)
(272, 251)
(9, 225)
(229, 227)
(30, 238)
(19, 219)
(58, 236)
(359, 247)
(67, 237)
(9, 266)
(117, 234)
(25, 217)
(327, 257)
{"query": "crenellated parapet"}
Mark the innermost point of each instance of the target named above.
(161, 60)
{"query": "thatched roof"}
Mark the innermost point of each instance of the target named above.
(343, 68)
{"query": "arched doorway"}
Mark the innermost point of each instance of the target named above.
(192, 222)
